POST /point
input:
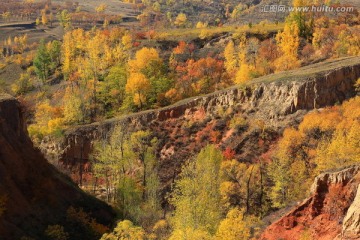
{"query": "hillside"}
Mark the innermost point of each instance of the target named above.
(247, 119)
(331, 212)
(33, 194)
(191, 119)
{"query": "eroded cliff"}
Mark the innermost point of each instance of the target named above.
(246, 119)
(33, 194)
(331, 212)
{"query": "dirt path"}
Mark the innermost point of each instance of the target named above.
(24, 24)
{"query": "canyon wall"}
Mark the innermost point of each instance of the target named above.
(332, 211)
(33, 194)
(265, 107)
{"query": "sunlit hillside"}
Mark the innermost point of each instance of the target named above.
(186, 119)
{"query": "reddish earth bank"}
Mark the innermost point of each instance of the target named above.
(332, 212)
(247, 120)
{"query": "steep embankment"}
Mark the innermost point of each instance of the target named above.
(331, 212)
(246, 119)
(33, 194)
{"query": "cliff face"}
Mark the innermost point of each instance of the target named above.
(33, 194)
(331, 212)
(246, 119)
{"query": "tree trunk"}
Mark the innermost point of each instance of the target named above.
(248, 191)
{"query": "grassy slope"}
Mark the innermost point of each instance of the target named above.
(300, 74)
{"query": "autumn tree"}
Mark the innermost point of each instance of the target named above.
(101, 8)
(138, 86)
(22, 85)
(242, 186)
(128, 165)
(181, 20)
(200, 76)
(42, 62)
(289, 169)
(87, 60)
(54, 49)
(144, 58)
(109, 160)
(112, 90)
(196, 196)
(21, 42)
(147, 63)
(266, 57)
(236, 225)
(243, 73)
(230, 58)
(56, 232)
(303, 20)
(48, 120)
(143, 145)
(73, 107)
(288, 43)
(44, 18)
(125, 230)
(64, 19)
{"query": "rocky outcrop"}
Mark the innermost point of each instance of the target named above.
(33, 194)
(331, 212)
(267, 105)
(351, 222)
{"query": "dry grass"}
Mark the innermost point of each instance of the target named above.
(192, 33)
(309, 71)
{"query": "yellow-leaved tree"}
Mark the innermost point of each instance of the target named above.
(143, 59)
(196, 197)
(230, 58)
(243, 73)
(181, 20)
(288, 43)
(138, 87)
(125, 230)
(236, 226)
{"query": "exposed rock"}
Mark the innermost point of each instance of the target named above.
(33, 193)
(331, 212)
(351, 222)
(267, 105)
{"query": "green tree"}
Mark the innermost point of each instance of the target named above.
(196, 195)
(303, 20)
(64, 19)
(110, 160)
(42, 61)
(112, 89)
(73, 107)
(143, 146)
(54, 49)
(22, 85)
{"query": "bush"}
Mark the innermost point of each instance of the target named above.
(238, 122)
(56, 232)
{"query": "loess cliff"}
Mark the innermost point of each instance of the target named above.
(246, 120)
(33, 194)
(332, 211)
